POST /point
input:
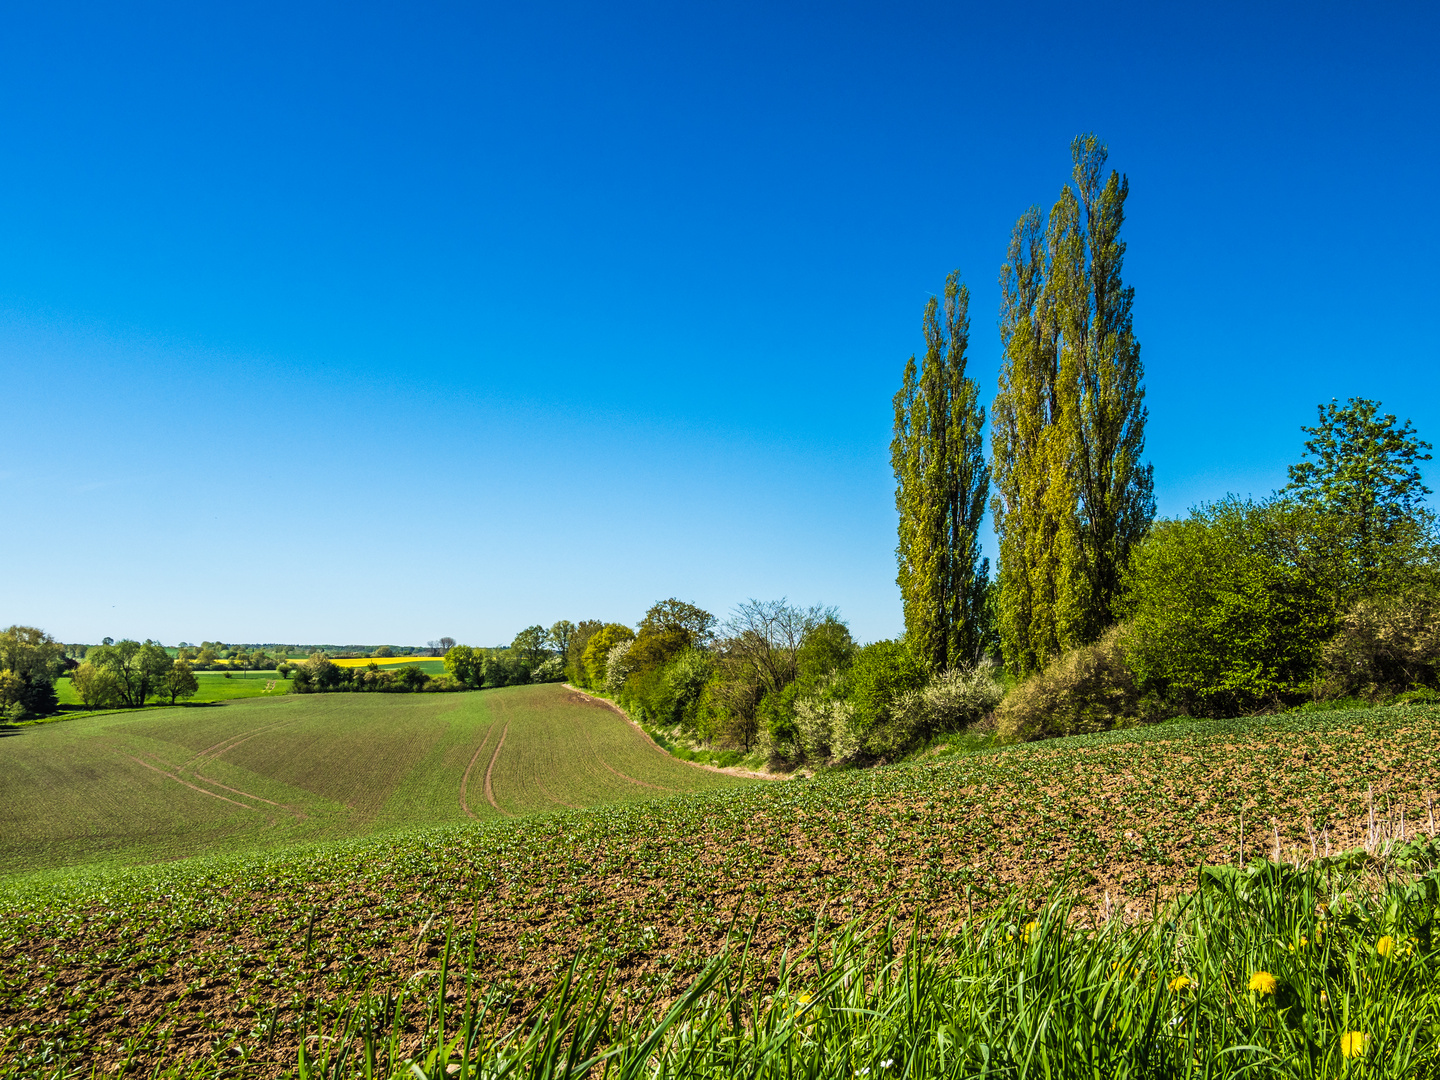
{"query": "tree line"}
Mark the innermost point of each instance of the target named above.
(788, 682)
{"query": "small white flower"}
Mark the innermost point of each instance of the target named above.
(863, 1072)
(887, 1063)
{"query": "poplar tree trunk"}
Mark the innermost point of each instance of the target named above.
(941, 485)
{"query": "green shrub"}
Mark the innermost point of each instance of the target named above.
(1229, 608)
(881, 674)
(1385, 647)
(1088, 689)
(1423, 696)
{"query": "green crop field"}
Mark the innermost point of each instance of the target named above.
(221, 962)
(141, 786)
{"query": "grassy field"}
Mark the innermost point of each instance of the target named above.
(167, 783)
(214, 686)
(224, 961)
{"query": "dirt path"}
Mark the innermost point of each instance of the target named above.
(465, 780)
(489, 789)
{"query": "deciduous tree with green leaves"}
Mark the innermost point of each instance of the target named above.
(941, 484)
(1363, 472)
(139, 668)
(179, 682)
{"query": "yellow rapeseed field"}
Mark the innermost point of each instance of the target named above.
(381, 661)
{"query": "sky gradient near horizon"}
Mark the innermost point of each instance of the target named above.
(369, 323)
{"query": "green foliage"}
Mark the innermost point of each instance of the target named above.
(559, 637)
(1385, 647)
(695, 623)
(669, 628)
(96, 686)
(138, 668)
(1089, 689)
(827, 647)
(1364, 475)
(411, 679)
(531, 646)
(502, 668)
(29, 661)
(883, 678)
(597, 651)
(466, 665)
(1230, 607)
(1073, 497)
(941, 485)
(575, 650)
(179, 682)
(672, 695)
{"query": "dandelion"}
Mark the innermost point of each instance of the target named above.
(804, 998)
(1353, 1043)
(1181, 982)
(1385, 946)
(1263, 982)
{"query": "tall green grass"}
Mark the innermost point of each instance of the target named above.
(1267, 971)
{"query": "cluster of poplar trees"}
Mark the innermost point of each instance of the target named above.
(1065, 481)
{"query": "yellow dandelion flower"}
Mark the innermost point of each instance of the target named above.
(1385, 946)
(1263, 982)
(1353, 1043)
(1181, 982)
(1030, 928)
(804, 998)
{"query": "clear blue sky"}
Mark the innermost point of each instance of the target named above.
(355, 323)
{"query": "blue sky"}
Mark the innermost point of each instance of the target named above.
(355, 323)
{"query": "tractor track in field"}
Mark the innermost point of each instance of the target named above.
(465, 780)
(186, 783)
(224, 746)
(617, 772)
(212, 753)
(490, 790)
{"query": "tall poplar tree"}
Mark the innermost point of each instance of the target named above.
(941, 486)
(1032, 446)
(1073, 497)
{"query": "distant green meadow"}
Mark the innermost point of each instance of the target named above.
(214, 686)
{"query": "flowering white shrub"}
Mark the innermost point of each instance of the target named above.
(617, 666)
(550, 670)
(827, 724)
(961, 696)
